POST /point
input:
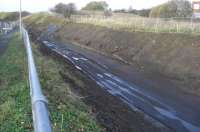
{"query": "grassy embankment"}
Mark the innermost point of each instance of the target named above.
(133, 23)
(173, 55)
(4, 15)
(142, 24)
(15, 108)
(67, 112)
(11, 16)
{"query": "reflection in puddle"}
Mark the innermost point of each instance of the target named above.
(170, 115)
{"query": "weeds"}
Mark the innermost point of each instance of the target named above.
(15, 108)
(124, 22)
(68, 112)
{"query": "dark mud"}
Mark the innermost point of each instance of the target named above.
(152, 73)
(110, 111)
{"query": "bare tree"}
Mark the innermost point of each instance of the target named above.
(108, 13)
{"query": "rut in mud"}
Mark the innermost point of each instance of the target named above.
(110, 111)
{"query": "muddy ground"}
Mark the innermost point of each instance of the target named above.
(172, 56)
(110, 111)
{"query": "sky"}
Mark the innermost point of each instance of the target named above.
(44, 5)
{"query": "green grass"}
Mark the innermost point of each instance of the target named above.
(4, 15)
(44, 19)
(15, 108)
(68, 112)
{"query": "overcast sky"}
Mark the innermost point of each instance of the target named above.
(44, 5)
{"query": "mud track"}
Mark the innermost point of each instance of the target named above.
(110, 111)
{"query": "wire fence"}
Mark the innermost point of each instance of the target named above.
(6, 27)
(135, 23)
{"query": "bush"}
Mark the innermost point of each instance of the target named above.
(173, 8)
(96, 6)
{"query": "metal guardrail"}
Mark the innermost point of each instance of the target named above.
(39, 103)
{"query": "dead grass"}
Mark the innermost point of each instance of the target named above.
(123, 22)
(141, 24)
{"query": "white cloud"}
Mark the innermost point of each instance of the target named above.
(44, 5)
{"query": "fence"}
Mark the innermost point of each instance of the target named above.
(39, 103)
(6, 27)
(136, 23)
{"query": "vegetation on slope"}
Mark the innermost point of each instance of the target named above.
(67, 112)
(11, 16)
(15, 108)
(122, 22)
(173, 8)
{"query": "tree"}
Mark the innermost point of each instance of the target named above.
(96, 6)
(173, 8)
(65, 9)
(184, 8)
(108, 13)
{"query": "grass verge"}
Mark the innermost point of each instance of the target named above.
(15, 108)
(68, 113)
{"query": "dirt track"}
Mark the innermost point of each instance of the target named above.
(110, 111)
(156, 55)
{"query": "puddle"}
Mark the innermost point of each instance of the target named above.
(190, 127)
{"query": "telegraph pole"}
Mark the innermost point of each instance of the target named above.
(20, 17)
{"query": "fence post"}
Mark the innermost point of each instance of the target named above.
(177, 27)
(170, 24)
(135, 20)
(156, 25)
(191, 25)
(143, 24)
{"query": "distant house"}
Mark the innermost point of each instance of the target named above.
(196, 8)
(5, 27)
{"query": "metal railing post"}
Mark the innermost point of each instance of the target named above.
(39, 103)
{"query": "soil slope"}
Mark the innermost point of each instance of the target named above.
(173, 56)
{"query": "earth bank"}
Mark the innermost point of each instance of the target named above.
(171, 56)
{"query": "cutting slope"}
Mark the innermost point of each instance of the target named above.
(172, 56)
